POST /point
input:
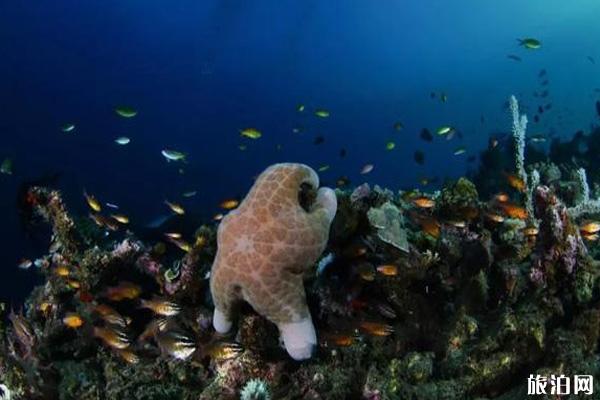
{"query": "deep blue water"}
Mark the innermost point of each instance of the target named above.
(199, 71)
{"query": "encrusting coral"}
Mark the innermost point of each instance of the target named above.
(264, 248)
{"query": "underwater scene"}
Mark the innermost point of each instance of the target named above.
(321, 200)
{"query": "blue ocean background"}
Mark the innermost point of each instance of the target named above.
(199, 71)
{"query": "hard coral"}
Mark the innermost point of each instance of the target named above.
(264, 248)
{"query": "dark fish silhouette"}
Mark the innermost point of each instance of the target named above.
(591, 59)
(514, 57)
(536, 118)
(548, 106)
(541, 109)
(544, 93)
(343, 153)
(545, 82)
(542, 72)
(426, 135)
(319, 140)
(419, 157)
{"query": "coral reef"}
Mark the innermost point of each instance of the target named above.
(459, 294)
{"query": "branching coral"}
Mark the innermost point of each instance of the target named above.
(264, 248)
(584, 205)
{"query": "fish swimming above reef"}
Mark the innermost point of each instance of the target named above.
(251, 133)
(173, 155)
(126, 112)
(530, 43)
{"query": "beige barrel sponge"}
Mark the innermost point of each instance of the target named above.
(264, 248)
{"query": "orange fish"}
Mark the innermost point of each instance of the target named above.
(223, 350)
(112, 337)
(515, 182)
(125, 290)
(161, 306)
(423, 202)
(501, 197)
(514, 211)
(110, 315)
(590, 237)
(431, 226)
(376, 328)
(590, 227)
(73, 320)
(128, 356)
(388, 269)
(337, 339)
(366, 272)
(229, 204)
(62, 270)
(494, 217)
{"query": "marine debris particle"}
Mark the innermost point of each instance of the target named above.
(279, 241)
(388, 221)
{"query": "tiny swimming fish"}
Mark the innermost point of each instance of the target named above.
(176, 208)
(419, 157)
(530, 43)
(366, 169)
(388, 269)
(321, 113)
(25, 263)
(300, 107)
(124, 291)
(126, 112)
(590, 227)
(161, 306)
(424, 202)
(176, 344)
(229, 204)
(460, 150)
(390, 146)
(376, 328)
(366, 272)
(92, 202)
(128, 356)
(123, 219)
(514, 211)
(110, 315)
(112, 337)
(398, 126)
(173, 235)
(173, 155)
(324, 168)
(67, 128)
(515, 182)
(251, 133)
(494, 217)
(62, 271)
(189, 194)
(444, 130)
(223, 350)
(123, 140)
(73, 321)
